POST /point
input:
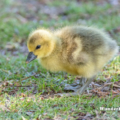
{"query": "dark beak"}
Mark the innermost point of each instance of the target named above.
(30, 57)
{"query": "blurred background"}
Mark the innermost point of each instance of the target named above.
(19, 17)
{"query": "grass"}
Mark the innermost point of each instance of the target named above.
(27, 90)
(57, 107)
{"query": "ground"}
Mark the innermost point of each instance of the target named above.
(27, 91)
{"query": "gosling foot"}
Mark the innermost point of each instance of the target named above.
(75, 86)
(77, 91)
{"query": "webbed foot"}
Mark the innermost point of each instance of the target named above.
(75, 86)
(77, 90)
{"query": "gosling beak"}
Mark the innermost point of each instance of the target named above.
(30, 57)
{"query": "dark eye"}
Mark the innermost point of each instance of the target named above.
(38, 46)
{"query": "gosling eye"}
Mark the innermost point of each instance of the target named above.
(38, 46)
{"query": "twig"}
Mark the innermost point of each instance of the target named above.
(27, 77)
(114, 85)
(6, 71)
(20, 86)
(105, 85)
(17, 86)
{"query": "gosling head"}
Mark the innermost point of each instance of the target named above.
(40, 44)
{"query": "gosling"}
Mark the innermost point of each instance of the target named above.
(78, 50)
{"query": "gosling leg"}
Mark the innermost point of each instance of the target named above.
(83, 88)
(80, 90)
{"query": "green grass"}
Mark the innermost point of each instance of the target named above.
(27, 90)
(56, 107)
